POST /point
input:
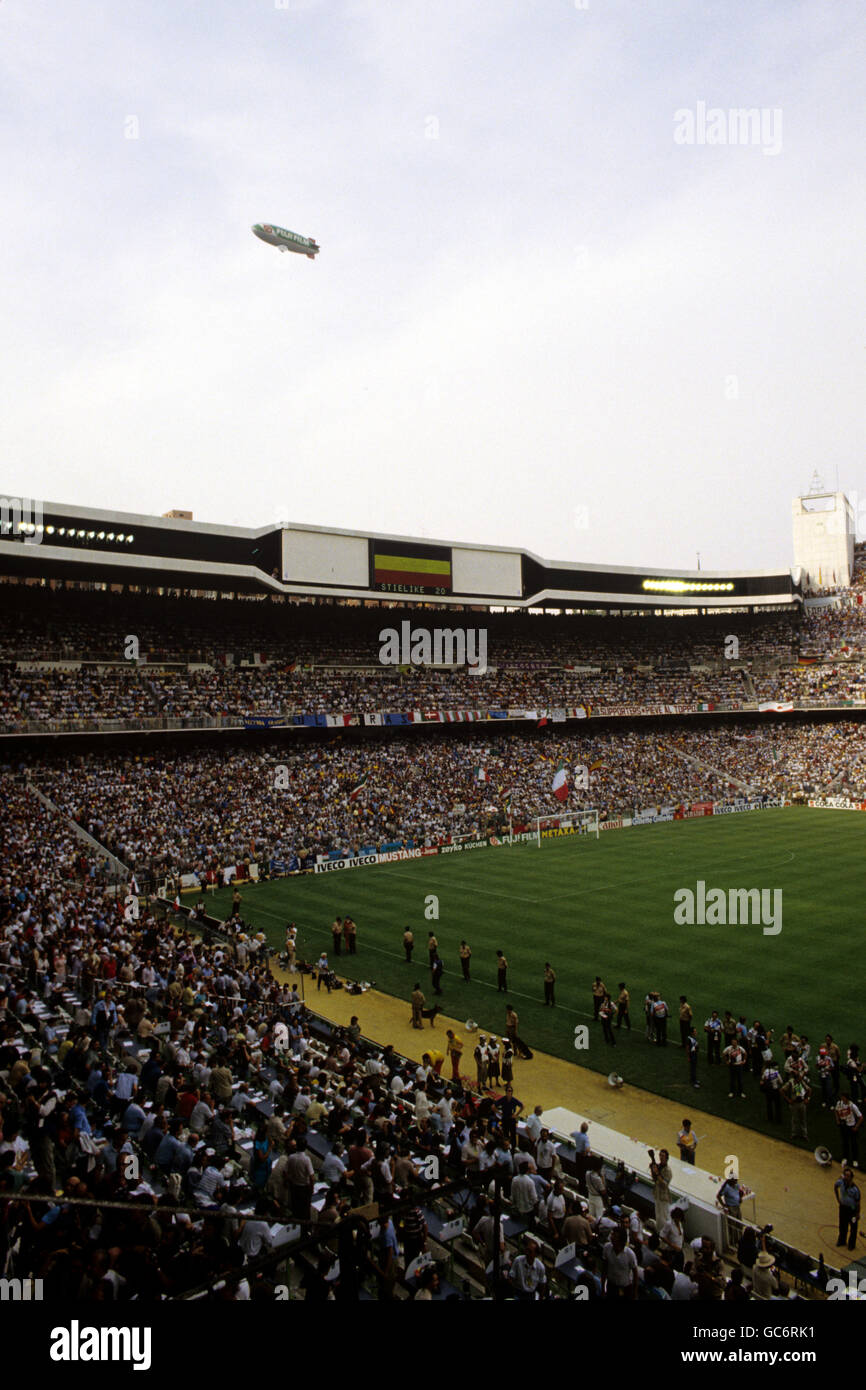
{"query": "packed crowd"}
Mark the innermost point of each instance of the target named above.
(188, 812)
(308, 659)
(169, 1107)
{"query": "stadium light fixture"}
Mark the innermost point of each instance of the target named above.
(684, 586)
(101, 536)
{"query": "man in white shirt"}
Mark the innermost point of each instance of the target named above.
(201, 1115)
(255, 1235)
(684, 1288)
(555, 1210)
(620, 1264)
(534, 1125)
(333, 1168)
(524, 1195)
(528, 1274)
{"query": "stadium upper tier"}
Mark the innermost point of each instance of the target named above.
(75, 658)
(57, 541)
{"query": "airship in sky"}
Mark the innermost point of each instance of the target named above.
(286, 241)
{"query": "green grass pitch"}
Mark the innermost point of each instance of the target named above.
(606, 907)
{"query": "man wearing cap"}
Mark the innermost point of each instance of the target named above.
(848, 1200)
(765, 1281)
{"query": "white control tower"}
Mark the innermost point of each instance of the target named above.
(823, 537)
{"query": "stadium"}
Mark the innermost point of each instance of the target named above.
(392, 919)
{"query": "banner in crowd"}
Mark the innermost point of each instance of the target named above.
(627, 709)
(354, 863)
(652, 817)
(761, 803)
(837, 803)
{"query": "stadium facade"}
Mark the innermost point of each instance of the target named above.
(85, 544)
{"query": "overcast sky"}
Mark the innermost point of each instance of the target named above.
(538, 317)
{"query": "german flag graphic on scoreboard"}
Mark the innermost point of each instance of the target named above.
(405, 567)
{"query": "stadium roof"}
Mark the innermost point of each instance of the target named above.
(86, 544)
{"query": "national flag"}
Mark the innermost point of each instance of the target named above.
(410, 567)
(593, 767)
(358, 788)
(481, 774)
(177, 901)
(506, 801)
(542, 718)
(560, 784)
(133, 885)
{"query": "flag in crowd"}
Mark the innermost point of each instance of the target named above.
(358, 787)
(560, 784)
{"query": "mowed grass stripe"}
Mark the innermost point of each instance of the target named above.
(606, 907)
